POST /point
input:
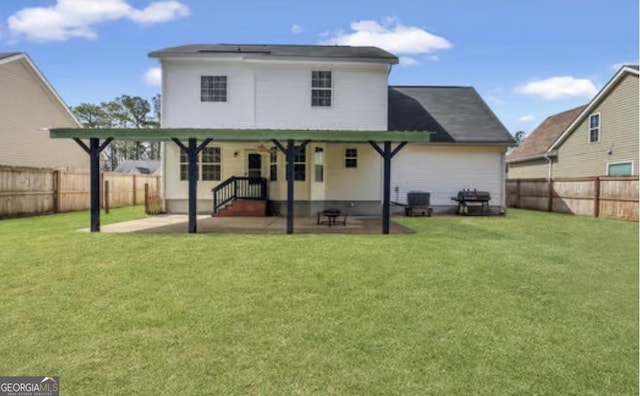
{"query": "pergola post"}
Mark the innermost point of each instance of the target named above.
(193, 185)
(290, 151)
(291, 154)
(192, 150)
(387, 154)
(94, 149)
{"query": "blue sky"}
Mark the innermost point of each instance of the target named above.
(528, 59)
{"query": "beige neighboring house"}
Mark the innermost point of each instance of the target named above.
(600, 138)
(29, 103)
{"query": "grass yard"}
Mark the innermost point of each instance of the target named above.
(532, 303)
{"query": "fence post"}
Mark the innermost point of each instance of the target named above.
(106, 196)
(56, 191)
(102, 184)
(550, 203)
(146, 198)
(518, 193)
(134, 190)
(596, 198)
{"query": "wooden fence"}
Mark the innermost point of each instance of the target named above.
(601, 196)
(31, 191)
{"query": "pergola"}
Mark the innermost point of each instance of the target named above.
(198, 138)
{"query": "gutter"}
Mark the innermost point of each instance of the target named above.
(533, 157)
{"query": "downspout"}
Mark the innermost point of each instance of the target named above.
(549, 184)
(550, 173)
(503, 171)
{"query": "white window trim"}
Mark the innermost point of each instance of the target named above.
(333, 88)
(589, 128)
(633, 169)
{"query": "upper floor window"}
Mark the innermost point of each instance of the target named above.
(351, 158)
(594, 128)
(321, 86)
(213, 88)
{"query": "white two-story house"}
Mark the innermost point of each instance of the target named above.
(323, 88)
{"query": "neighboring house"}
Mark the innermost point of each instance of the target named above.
(140, 167)
(324, 88)
(598, 139)
(27, 104)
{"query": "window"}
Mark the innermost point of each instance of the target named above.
(321, 88)
(299, 166)
(211, 163)
(213, 88)
(273, 164)
(594, 128)
(184, 166)
(318, 161)
(351, 158)
(620, 169)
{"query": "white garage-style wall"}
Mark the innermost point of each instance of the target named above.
(445, 170)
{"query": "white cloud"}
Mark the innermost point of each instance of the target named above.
(433, 58)
(153, 77)
(296, 29)
(495, 100)
(76, 18)
(527, 118)
(407, 61)
(559, 88)
(159, 12)
(391, 36)
(617, 66)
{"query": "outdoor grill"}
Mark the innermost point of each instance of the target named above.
(472, 198)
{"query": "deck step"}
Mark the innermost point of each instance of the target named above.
(244, 208)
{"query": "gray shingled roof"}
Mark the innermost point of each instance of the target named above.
(332, 52)
(148, 167)
(8, 54)
(539, 141)
(454, 114)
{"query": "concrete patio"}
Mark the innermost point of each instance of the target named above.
(250, 225)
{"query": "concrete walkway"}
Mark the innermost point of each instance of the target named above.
(250, 225)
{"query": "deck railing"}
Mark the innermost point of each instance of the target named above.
(237, 187)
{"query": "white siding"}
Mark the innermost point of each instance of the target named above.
(445, 170)
(181, 95)
(359, 97)
(275, 95)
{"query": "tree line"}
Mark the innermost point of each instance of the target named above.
(123, 112)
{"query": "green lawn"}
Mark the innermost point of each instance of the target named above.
(532, 303)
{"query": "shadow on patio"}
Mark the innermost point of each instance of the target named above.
(251, 225)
